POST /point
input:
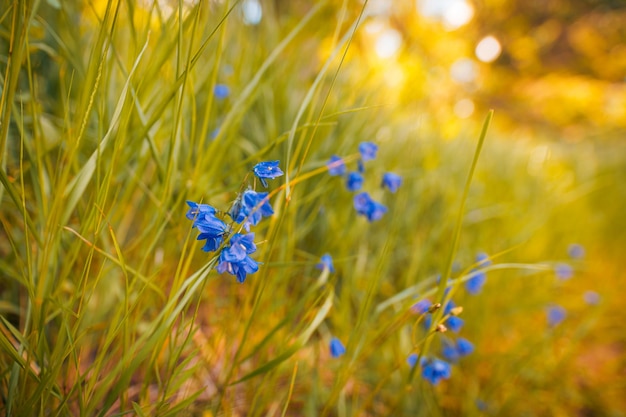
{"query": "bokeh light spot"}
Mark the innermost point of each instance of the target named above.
(388, 43)
(252, 12)
(464, 108)
(463, 70)
(488, 49)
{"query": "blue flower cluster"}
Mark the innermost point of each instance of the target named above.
(363, 202)
(248, 210)
(435, 369)
(474, 285)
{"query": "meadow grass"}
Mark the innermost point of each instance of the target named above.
(111, 121)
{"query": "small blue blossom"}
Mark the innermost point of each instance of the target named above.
(269, 169)
(421, 307)
(449, 352)
(454, 323)
(336, 348)
(556, 314)
(251, 207)
(235, 259)
(365, 206)
(391, 181)
(210, 227)
(326, 262)
(368, 151)
(592, 298)
(412, 359)
(221, 91)
(336, 166)
(434, 370)
(475, 284)
(449, 306)
(576, 251)
(354, 181)
(464, 347)
(563, 271)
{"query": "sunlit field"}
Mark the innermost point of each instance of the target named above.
(291, 208)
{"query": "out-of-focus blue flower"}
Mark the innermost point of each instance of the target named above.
(336, 348)
(563, 271)
(235, 258)
(434, 370)
(464, 347)
(474, 285)
(251, 207)
(392, 181)
(354, 181)
(269, 169)
(369, 208)
(221, 91)
(556, 314)
(412, 359)
(454, 323)
(421, 307)
(368, 151)
(592, 298)
(576, 251)
(336, 166)
(210, 227)
(326, 262)
(449, 352)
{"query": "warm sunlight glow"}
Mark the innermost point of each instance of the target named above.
(388, 43)
(488, 49)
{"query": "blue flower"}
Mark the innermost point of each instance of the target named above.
(336, 348)
(412, 359)
(235, 258)
(563, 271)
(210, 227)
(576, 251)
(475, 284)
(336, 166)
(354, 181)
(592, 298)
(391, 181)
(221, 91)
(454, 323)
(326, 262)
(434, 370)
(464, 347)
(251, 207)
(453, 351)
(368, 151)
(365, 206)
(421, 307)
(267, 169)
(556, 314)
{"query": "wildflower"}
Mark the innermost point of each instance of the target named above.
(235, 259)
(421, 307)
(453, 351)
(576, 251)
(336, 166)
(365, 206)
(336, 348)
(592, 298)
(221, 91)
(434, 370)
(464, 347)
(391, 181)
(454, 323)
(251, 207)
(354, 181)
(475, 284)
(449, 351)
(563, 271)
(368, 151)
(412, 359)
(326, 262)
(556, 314)
(210, 227)
(267, 169)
